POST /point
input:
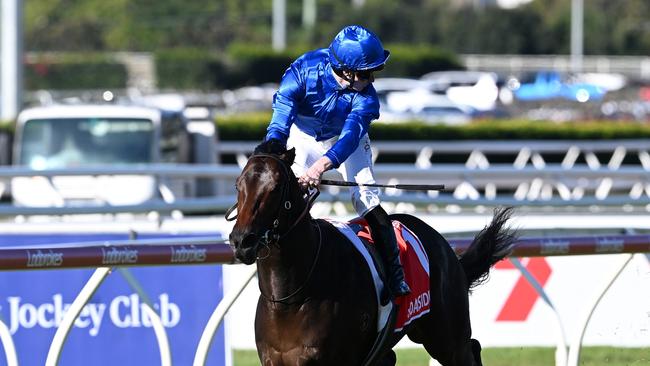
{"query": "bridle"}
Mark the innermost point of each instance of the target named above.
(272, 235)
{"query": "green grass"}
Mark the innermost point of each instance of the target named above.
(528, 356)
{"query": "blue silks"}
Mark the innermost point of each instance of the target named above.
(310, 97)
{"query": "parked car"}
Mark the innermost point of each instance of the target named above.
(474, 89)
(405, 99)
(74, 136)
(423, 105)
(547, 85)
(606, 81)
(386, 86)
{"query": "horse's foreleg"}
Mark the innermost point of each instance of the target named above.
(476, 352)
(469, 354)
(466, 354)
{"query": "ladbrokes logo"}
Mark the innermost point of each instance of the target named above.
(552, 246)
(609, 245)
(125, 311)
(48, 258)
(185, 255)
(119, 256)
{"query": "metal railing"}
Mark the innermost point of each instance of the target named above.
(496, 185)
(604, 174)
(522, 172)
(478, 153)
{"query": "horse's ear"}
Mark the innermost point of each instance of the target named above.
(289, 156)
(271, 146)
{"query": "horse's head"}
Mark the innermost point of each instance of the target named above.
(266, 192)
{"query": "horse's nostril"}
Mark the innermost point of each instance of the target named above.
(245, 246)
(243, 240)
(249, 240)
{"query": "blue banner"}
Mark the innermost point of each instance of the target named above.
(112, 329)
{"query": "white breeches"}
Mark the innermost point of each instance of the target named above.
(357, 167)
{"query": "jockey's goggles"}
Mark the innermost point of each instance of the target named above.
(367, 74)
(362, 75)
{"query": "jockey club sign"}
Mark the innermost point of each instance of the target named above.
(124, 311)
(33, 303)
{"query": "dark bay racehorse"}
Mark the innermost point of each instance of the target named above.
(318, 305)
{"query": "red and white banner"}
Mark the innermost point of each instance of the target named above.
(507, 311)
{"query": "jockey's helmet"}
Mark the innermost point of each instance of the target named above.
(355, 48)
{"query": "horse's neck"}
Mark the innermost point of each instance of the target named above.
(290, 262)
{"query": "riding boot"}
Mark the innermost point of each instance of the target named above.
(383, 235)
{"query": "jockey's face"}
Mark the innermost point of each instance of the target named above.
(361, 79)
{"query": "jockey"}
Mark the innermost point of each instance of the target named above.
(323, 109)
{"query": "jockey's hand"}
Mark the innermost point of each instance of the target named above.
(311, 178)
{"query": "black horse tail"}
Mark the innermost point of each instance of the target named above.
(491, 245)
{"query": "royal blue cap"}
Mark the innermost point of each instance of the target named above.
(356, 48)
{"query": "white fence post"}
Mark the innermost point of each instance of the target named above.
(576, 344)
(70, 316)
(8, 344)
(217, 317)
(561, 346)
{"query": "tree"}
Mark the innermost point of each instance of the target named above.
(540, 27)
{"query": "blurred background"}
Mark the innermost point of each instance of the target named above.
(126, 119)
(512, 57)
(460, 70)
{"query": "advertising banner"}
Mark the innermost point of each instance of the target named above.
(112, 329)
(508, 312)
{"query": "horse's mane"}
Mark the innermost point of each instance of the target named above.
(271, 146)
(275, 147)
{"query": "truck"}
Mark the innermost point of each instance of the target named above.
(78, 136)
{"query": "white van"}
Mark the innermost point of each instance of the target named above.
(474, 89)
(73, 136)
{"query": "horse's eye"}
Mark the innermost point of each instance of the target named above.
(238, 185)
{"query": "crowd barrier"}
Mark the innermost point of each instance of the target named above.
(105, 256)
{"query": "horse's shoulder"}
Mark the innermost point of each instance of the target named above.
(327, 228)
(332, 235)
(336, 239)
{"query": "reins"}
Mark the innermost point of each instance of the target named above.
(311, 271)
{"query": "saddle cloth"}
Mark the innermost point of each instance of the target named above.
(416, 271)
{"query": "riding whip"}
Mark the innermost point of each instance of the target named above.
(411, 187)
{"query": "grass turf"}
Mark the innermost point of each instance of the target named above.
(525, 356)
